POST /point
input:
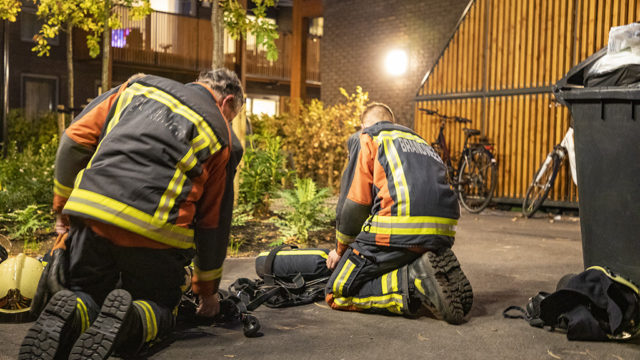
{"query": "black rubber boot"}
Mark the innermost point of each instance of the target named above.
(438, 281)
(52, 335)
(117, 321)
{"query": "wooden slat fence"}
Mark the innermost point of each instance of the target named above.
(498, 69)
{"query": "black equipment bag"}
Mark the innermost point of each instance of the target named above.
(285, 265)
(595, 305)
(289, 277)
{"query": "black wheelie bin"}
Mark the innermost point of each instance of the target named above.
(606, 121)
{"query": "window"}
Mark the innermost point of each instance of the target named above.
(39, 94)
(316, 26)
(267, 105)
(182, 7)
(30, 26)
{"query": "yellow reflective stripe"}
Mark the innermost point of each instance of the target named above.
(198, 143)
(616, 278)
(394, 281)
(385, 284)
(344, 239)
(297, 252)
(390, 302)
(208, 275)
(168, 199)
(413, 219)
(176, 184)
(60, 189)
(413, 225)
(393, 166)
(180, 109)
(418, 231)
(152, 316)
(399, 179)
(349, 271)
(78, 179)
(419, 286)
(84, 314)
(127, 217)
(124, 100)
(151, 328)
(343, 275)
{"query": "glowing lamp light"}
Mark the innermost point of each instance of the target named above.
(396, 62)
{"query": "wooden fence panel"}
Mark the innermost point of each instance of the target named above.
(498, 69)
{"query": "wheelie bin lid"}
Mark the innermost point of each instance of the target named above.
(574, 79)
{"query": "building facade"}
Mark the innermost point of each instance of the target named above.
(358, 35)
(176, 44)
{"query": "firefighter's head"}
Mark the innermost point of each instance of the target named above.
(227, 89)
(376, 112)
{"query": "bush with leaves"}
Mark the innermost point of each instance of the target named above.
(35, 132)
(307, 212)
(26, 176)
(26, 223)
(316, 137)
(262, 173)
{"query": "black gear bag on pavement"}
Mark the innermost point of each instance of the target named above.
(289, 277)
(594, 305)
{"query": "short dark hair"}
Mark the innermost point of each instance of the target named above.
(380, 110)
(225, 82)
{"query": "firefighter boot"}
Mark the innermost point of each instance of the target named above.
(437, 280)
(57, 327)
(117, 325)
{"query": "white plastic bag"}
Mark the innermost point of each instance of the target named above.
(623, 49)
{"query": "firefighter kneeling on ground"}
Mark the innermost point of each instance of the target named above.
(396, 219)
(144, 175)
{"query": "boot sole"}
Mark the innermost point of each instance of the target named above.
(98, 341)
(454, 295)
(43, 338)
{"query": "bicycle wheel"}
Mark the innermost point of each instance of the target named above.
(541, 184)
(477, 179)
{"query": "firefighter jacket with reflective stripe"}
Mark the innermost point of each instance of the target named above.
(152, 164)
(394, 192)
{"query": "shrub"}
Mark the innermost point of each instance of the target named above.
(26, 177)
(263, 172)
(308, 212)
(25, 224)
(316, 137)
(35, 132)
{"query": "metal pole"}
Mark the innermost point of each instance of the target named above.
(5, 88)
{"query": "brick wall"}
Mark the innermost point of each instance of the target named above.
(359, 33)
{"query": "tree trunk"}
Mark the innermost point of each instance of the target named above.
(106, 47)
(217, 25)
(70, 72)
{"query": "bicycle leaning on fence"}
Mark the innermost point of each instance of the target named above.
(475, 177)
(545, 177)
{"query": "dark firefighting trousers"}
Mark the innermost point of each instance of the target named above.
(153, 277)
(372, 279)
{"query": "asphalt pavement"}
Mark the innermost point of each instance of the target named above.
(507, 259)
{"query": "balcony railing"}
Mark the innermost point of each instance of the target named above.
(185, 43)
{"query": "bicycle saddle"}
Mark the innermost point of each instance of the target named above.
(471, 132)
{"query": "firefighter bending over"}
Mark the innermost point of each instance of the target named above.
(396, 219)
(144, 176)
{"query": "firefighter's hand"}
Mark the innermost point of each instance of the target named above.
(62, 224)
(333, 259)
(209, 305)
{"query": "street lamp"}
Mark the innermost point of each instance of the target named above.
(396, 62)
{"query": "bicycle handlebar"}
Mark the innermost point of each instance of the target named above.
(445, 117)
